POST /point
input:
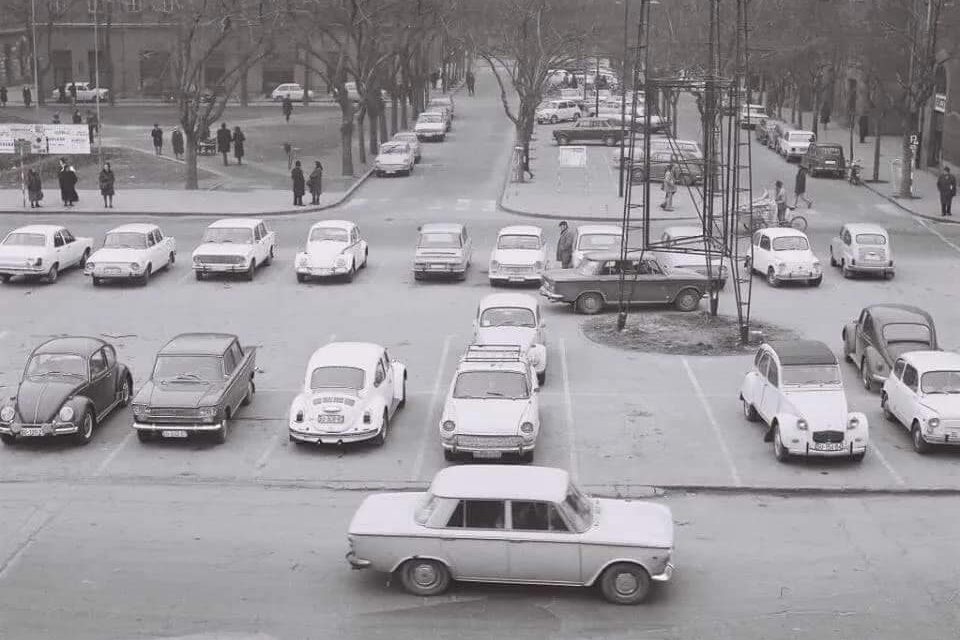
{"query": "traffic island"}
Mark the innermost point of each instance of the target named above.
(679, 333)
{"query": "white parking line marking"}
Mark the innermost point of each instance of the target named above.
(875, 450)
(113, 454)
(923, 223)
(568, 409)
(16, 546)
(713, 423)
(434, 408)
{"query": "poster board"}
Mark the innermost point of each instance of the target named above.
(46, 139)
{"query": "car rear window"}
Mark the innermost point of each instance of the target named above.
(811, 374)
(25, 240)
(510, 385)
(507, 317)
(871, 238)
(337, 378)
(940, 382)
(598, 241)
(790, 243)
(518, 242)
(439, 241)
(906, 332)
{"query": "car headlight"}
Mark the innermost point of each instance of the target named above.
(134, 266)
(932, 424)
(207, 412)
(802, 424)
(89, 266)
(33, 262)
(494, 265)
(448, 425)
(303, 261)
(139, 410)
(66, 414)
(196, 260)
(526, 427)
(7, 413)
(853, 423)
(781, 267)
(341, 261)
(816, 265)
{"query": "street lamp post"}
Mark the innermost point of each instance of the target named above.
(623, 92)
(96, 78)
(36, 60)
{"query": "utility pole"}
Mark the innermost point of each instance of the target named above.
(623, 92)
(96, 78)
(36, 60)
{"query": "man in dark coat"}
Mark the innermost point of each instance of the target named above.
(299, 184)
(34, 188)
(471, 82)
(223, 142)
(73, 93)
(67, 177)
(800, 188)
(315, 182)
(565, 246)
(176, 139)
(287, 107)
(238, 140)
(27, 96)
(864, 125)
(107, 181)
(77, 118)
(3, 96)
(947, 186)
(157, 134)
(62, 94)
(92, 125)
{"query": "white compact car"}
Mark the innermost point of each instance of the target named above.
(751, 115)
(520, 255)
(783, 254)
(394, 158)
(795, 387)
(410, 138)
(592, 238)
(351, 392)
(513, 318)
(131, 252)
(923, 394)
(862, 248)
(234, 245)
(443, 249)
(794, 143)
(445, 101)
(556, 111)
(431, 126)
(492, 407)
(686, 248)
(334, 248)
(42, 251)
(290, 90)
(85, 92)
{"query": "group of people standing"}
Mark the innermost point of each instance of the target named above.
(226, 141)
(67, 179)
(300, 183)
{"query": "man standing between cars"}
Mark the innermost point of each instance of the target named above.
(565, 246)
(800, 188)
(157, 134)
(3, 96)
(669, 188)
(947, 186)
(780, 198)
(223, 142)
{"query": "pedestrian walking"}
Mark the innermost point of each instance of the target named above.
(669, 187)
(92, 125)
(947, 186)
(780, 198)
(223, 142)
(315, 182)
(67, 177)
(864, 124)
(434, 78)
(238, 140)
(77, 118)
(525, 162)
(471, 82)
(565, 246)
(56, 117)
(287, 107)
(27, 97)
(176, 140)
(107, 183)
(73, 93)
(825, 110)
(34, 188)
(157, 134)
(3, 96)
(800, 188)
(62, 94)
(298, 184)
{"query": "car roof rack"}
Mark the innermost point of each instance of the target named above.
(493, 353)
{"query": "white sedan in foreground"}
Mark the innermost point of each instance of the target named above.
(42, 251)
(394, 158)
(131, 252)
(334, 248)
(520, 255)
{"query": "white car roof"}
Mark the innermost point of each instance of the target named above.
(248, 223)
(521, 300)
(520, 230)
(501, 482)
(441, 227)
(801, 132)
(363, 355)
(683, 232)
(865, 227)
(134, 227)
(336, 224)
(45, 229)
(407, 136)
(783, 232)
(933, 360)
(599, 228)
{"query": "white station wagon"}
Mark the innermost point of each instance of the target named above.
(42, 251)
(795, 387)
(513, 318)
(520, 255)
(516, 525)
(923, 394)
(131, 252)
(492, 407)
(351, 392)
(334, 248)
(234, 245)
(783, 254)
(862, 248)
(443, 249)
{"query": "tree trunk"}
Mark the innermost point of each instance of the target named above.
(373, 119)
(876, 145)
(793, 107)
(190, 158)
(361, 144)
(403, 110)
(394, 104)
(906, 166)
(382, 122)
(816, 111)
(244, 89)
(346, 145)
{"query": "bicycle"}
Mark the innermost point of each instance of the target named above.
(764, 211)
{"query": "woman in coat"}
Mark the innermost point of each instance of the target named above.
(176, 139)
(238, 140)
(34, 188)
(67, 178)
(315, 182)
(107, 182)
(299, 184)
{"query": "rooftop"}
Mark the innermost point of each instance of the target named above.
(79, 345)
(501, 482)
(359, 354)
(865, 227)
(933, 360)
(198, 344)
(522, 300)
(134, 227)
(521, 230)
(599, 228)
(244, 223)
(803, 352)
(39, 228)
(441, 227)
(892, 313)
(336, 224)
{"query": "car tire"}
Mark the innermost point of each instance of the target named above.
(126, 392)
(527, 457)
(589, 303)
(97, 281)
(846, 271)
(145, 278)
(87, 424)
(248, 397)
(625, 583)
(450, 456)
(198, 274)
(554, 119)
(251, 271)
(269, 259)
(687, 300)
(381, 438)
(171, 259)
(144, 436)
(888, 275)
(779, 451)
(920, 445)
(220, 435)
(750, 412)
(542, 377)
(772, 278)
(424, 577)
(576, 116)
(52, 274)
(865, 375)
(403, 393)
(5, 278)
(885, 408)
(350, 273)
(562, 140)
(8, 439)
(83, 259)
(417, 276)
(301, 278)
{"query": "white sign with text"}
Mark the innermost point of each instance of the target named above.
(46, 139)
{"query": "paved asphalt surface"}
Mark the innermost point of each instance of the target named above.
(245, 540)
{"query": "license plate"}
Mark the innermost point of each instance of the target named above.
(323, 272)
(516, 278)
(490, 455)
(334, 419)
(112, 270)
(177, 433)
(31, 431)
(438, 267)
(828, 446)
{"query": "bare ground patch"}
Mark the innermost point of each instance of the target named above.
(679, 333)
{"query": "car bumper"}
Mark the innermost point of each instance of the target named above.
(356, 562)
(502, 276)
(39, 430)
(798, 275)
(23, 271)
(431, 135)
(329, 437)
(870, 268)
(113, 273)
(440, 268)
(322, 272)
(155, 427)
(552, 296)
(665, 575)
(392, 169)
(807, 450)
(490, 451)
(941, 439)
(220, 268)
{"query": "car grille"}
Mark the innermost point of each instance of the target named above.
(517, 269)
(950, 425)
(828, 436)
(220, 259)
(334, 400)
(172, 413)
(489, 442)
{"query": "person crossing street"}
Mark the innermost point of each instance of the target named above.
(223, 142)
(947, 186)
(800, 188)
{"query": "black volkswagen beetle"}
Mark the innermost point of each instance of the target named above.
(881, 334)
(68, 387)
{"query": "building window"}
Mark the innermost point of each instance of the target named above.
(133, 6)
(166, 6)
(99, 6)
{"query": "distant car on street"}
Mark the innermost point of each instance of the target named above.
(824, 158)
(862, 248)
(410, 138)
(86, 92)
(234, 245)
(555, 111)
(793, 144)
(923, 394)
(688, 170)
(291, 90)
(334, 248)
(431, 126)
(783, 254)
(751, 115)
(520, 255)
(881, 334)
(595, 237)
(131, 252)
(394, 158)
(589, 130)
(445, 101)
(42, 251)
(443, 249)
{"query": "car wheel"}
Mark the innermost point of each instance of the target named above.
(562, 140)
(248, 397)
(772, 278)
(888, 275)
(779, 451)
(542, 377)
(750, 412)
(865, 375)
(687, 300)
(380, 439)
(590, 303)
(625, 583)
(526, 457)
(301, 278)
(144, 436)
(4, 278)
(145, 278)
(83, 259)
(85, 434)
(220, 435)
(8, 439)
(424, 577)
(920, 445)
(350, 273)
(52, 274)
(847, 272)
(403, 394)
(97, 281)
(417, 275)
(833, 261)
(171, 259)
(125, 392)
(198, 275)
(366, 258)
(885, 408)
(858, 457)
(269, 260)
(251, 271)
(450, 456)
(576, 116)
(554, 119)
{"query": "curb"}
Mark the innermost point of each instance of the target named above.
(896, 202)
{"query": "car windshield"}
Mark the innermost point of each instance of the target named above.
(393, 147)
(511, 385)
(875, 239)
(405, 137)
(810, 374)
(337, 378)
(579, 508)
(229, 235)
(790, 243)
(430, 117)
(801, 137)
(940, 382)
(25, 240)
(906, 332)
(507, 317)
(598, 241)
(437, 240)
(45, 365)
(125, 240)
(518, 242)
(425, 508)
(589, 267)
(188, 369)
(328, 234)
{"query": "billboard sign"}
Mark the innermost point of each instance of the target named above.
(46, 139)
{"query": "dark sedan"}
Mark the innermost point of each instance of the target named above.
(589, 130)
(69, 386)
(881, 334)
(595, 283)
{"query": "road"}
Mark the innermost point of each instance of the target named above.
(121, 540)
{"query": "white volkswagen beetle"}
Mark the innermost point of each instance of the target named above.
(351, 392)
(131, 252)
(520, 255)
(334, 248)
(42, 251)
(513, 318)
